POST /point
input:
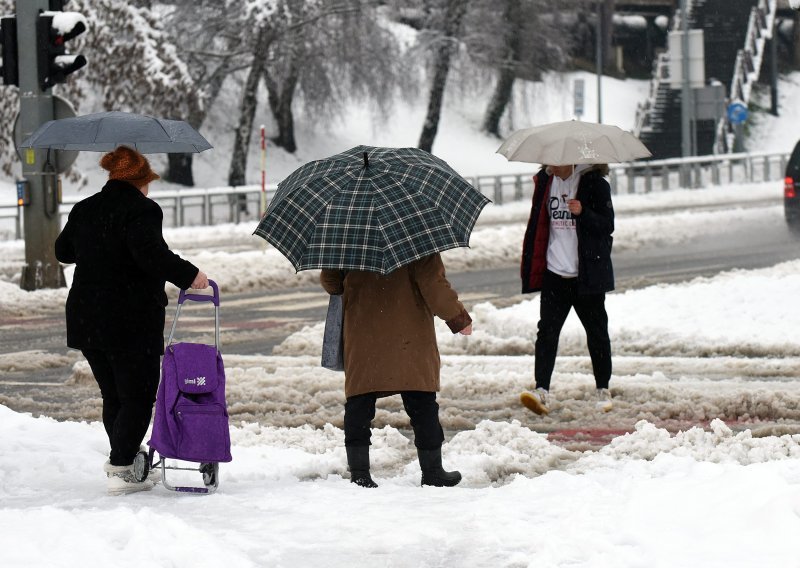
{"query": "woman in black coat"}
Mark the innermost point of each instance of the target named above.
(116, 306)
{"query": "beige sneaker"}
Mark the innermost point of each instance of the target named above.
(122, 480)
(535, 401)
(604, 403)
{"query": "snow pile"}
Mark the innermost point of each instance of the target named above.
(700, 318)
(283, 501)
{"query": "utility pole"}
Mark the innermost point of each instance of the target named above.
(773, 67)
(42, 30)
(686, 94)
(41, 218)
(599, 60)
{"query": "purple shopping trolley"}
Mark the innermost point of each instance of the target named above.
(191, 416)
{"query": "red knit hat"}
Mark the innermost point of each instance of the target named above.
(127, 164)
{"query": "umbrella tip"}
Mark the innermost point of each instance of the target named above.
(366, 160)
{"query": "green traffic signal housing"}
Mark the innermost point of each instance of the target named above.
(9, 71)
(53, 30)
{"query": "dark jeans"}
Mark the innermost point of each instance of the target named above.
(557, 297)
(421, 407)
(128, 383)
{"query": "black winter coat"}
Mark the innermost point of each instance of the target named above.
(594, 226)
(117, 300)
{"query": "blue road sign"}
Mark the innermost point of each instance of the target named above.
(737, 113)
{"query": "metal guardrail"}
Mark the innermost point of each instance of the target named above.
(747, 67)
(210, 206)
(657, 175)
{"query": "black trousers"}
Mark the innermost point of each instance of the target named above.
(128, 383)
(421, 407)
(557, 297)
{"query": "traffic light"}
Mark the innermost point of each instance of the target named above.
(53, 30)
(9, 72)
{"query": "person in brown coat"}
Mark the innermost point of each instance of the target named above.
(390, 348)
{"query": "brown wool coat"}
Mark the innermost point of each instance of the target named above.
(389, 337)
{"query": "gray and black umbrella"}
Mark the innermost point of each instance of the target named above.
(372, 209)
(104, 131)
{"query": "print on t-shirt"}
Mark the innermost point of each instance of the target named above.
(562, 249)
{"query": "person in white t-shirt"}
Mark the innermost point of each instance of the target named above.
(567, 257)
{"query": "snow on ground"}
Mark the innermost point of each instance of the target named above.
(710, 498)
(666, 493)
(719, 352)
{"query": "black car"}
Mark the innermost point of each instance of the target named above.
(791, 191)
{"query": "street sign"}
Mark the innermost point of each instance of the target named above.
(737, 112)
(696, 57)
(709, 102)
(63, 158)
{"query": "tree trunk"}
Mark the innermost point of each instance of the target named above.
(453, 16)
(280, 103)
(796, 42)
(609, 56)
(179, 169)
(179, 166)
(247, 111)
(508, 69)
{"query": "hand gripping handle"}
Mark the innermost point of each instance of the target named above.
(183, 296)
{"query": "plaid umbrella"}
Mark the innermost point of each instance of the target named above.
(372, 209)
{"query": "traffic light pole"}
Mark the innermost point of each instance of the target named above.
(41, 216)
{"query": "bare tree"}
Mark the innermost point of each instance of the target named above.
(280, 96)
(528, 38)
(327, 52)
(445, 29)
(328, 59)
(208, 34)
(247, 108)
(508, 65)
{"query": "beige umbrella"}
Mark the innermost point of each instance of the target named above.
(573, 142)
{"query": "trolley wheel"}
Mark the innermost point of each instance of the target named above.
(141, 466)
(210, 473)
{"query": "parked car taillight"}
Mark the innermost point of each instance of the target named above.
(788, 188)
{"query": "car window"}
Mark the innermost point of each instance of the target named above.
(793, 167)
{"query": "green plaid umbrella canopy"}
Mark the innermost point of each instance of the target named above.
(372, 209)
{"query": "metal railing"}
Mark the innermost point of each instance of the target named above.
(192, 207)
(656, 175)
(660, 74)
(747, 68)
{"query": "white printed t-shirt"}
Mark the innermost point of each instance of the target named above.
(562, 248)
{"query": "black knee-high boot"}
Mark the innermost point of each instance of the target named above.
(358, 462)
(430, 461)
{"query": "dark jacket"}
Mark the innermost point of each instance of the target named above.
(117, 298)
(594, 227)
(389, 335)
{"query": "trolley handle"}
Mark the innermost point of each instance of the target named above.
(183, 296)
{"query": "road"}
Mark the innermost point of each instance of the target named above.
(35, 365)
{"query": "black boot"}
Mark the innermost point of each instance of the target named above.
(430, 461)
(358, 462)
